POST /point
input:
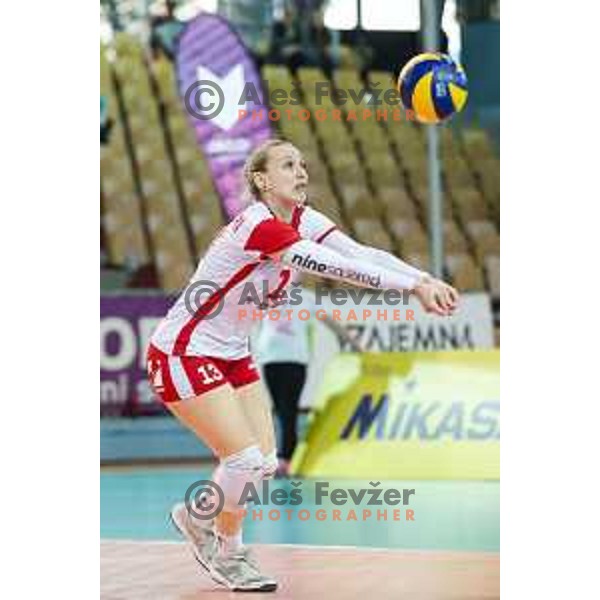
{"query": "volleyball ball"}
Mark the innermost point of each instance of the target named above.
(433, 86)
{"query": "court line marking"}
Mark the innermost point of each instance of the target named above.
(317, 547)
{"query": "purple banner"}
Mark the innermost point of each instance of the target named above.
(213, 69)
(126, 324)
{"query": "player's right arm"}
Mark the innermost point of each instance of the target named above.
(345, 245)
(311, 257)
(271, 238)
(321, 229)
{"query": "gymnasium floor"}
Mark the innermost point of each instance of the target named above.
(450, 550)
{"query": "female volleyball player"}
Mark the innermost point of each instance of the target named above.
(199, 361)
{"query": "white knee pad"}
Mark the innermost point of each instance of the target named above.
(235, 472)
(270, 464)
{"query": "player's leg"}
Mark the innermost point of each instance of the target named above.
(254, 401)
(218, 420)
(215, 417)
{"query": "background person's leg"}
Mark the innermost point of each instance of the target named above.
(285, 382)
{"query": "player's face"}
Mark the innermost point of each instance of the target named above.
(286, 174)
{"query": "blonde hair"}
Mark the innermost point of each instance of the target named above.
(257, 163)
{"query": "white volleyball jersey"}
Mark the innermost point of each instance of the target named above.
(205, 320)
(286, 340)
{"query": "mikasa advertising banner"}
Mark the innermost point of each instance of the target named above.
(421, 415)
(213, 69)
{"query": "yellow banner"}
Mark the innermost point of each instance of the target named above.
(422, 415)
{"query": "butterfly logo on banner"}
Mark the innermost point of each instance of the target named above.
(217, 99)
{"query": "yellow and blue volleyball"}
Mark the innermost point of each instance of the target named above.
(433, 86)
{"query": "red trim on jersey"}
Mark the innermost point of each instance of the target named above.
(324, 235)
(271, 236)
(284, 277)
(183, 339)
(296, 216)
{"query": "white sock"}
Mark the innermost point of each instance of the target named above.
(229, 543)
(271, 464)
